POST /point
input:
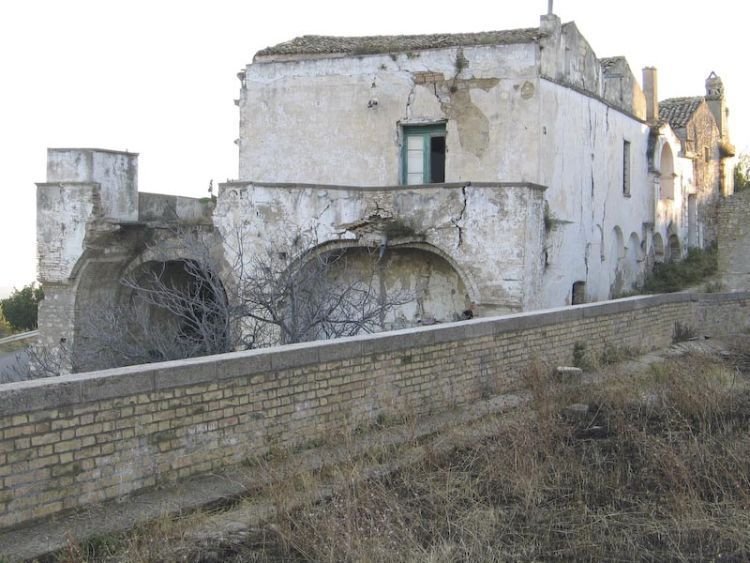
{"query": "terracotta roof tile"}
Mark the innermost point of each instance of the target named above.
(678, 111)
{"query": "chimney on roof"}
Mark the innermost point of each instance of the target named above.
(651, 92)
(717, 103)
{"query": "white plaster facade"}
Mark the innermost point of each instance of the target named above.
(553, 191)
(532, 106)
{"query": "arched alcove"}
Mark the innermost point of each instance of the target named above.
(658, 248)
(431, 289)
(633, 260)
(158, 310)
(667, 175)
(675, 248)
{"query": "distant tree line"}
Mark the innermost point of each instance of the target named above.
(18, 313)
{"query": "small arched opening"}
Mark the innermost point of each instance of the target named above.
(658, 247)
(675, 249)
(633, 260)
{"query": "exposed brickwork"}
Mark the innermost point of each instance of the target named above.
(84, 438)
(428, 77)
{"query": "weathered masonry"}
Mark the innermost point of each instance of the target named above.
(493, 172)
(73, 440)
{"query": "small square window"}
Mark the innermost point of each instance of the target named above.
(423, 158)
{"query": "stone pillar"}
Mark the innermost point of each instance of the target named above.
(86, 190)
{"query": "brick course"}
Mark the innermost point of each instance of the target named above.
(78, 439)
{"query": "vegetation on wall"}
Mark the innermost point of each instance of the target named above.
(20, 309)
(669, 277)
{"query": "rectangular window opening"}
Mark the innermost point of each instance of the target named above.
(437, 160)
(423, 158)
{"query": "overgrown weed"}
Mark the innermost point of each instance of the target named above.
(667, 277)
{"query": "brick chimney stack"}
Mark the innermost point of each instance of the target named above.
(651, 92)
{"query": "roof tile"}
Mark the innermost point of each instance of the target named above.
(678, 111)
(326, 45)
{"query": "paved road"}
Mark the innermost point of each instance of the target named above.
(7, 362)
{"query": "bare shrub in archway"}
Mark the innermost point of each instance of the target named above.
(283, 290)
(293, 291)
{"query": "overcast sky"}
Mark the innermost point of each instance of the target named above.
(158, 77)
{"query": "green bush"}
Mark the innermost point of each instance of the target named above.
(20, 309)
(674, 276)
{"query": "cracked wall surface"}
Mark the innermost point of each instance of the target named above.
(554, 179)
(326, 130)
(489, 234)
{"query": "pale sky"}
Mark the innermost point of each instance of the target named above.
(158, 77)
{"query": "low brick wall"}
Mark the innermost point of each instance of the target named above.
(78, 439)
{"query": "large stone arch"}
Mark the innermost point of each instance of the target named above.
(103, 304)
(442, 291)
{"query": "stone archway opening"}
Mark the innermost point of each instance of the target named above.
(162, 310)
(179, 309)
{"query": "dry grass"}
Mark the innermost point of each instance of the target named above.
(656, 468)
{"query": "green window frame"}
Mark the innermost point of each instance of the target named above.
(423, 154)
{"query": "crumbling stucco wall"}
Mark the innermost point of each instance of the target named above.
(581, 158)
(90, 229)
(489, 233)
(621, 88)
(116, 173)
(337, 120)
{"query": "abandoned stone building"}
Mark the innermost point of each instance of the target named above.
(495, 172)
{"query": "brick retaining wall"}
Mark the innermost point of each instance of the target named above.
(78, 439)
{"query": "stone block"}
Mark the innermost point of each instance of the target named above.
(568, 374)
